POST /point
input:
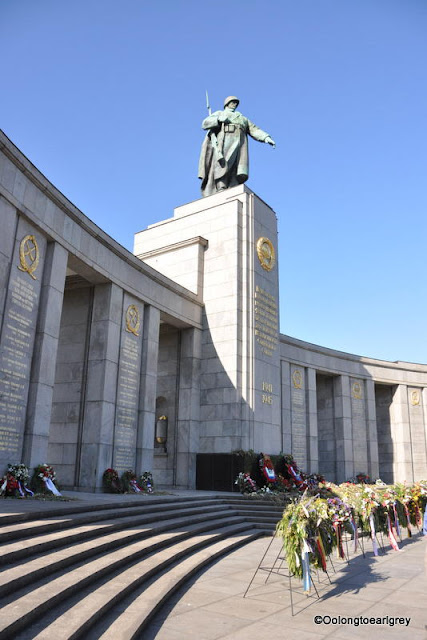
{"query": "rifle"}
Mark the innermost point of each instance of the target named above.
(213, 137)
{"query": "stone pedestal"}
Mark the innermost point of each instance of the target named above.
(224, 248)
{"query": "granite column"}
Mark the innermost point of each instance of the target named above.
(188, 421)
(148, 387)
(101, 386)
(42, 379)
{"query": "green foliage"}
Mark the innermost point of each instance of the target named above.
(111, 482)
(42, 471)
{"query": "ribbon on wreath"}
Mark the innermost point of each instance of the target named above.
(408, 519)
(396, 521)
(306, 576)
(49, 485)
(418, 517)
(391, 537)
(425, 522)
(267, 468)
(248, 481)
(373, 534)
(296, 476)
(355, 533)
(338, 535)
(135, 486)
(321, 550)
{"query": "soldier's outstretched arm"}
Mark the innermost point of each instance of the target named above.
(258, 134)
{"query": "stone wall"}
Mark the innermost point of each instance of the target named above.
(78, 375)
(166, 401)
(326, 426)
(65, 431)
(383, 402)
(240, 377)
(81, 367)
(371, 414)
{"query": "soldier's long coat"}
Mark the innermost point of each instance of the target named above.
(233, 142)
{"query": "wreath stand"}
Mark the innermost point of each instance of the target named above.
(278, 568)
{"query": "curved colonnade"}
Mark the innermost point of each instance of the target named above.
(96, 343)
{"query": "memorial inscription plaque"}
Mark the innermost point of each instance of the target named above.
(359, 425)
(299, 416)
(125, 431)
(266, 321)
(17, 341)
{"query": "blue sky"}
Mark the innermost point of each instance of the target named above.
(106, 99)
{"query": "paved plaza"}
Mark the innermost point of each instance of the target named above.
(213, 607)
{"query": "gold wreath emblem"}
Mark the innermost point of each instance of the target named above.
(415, 397)
(29, 255)
(297, 379)
(266, 253)
(357, 390)
(133, 322)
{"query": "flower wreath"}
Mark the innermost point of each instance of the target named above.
(129, 481)
(245, 483)
(111, 481)
(146, 481)
(43, 479)
(267, 468)
(295, 474)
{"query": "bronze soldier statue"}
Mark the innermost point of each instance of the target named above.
(224, 160)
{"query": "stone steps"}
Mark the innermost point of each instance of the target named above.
(58, 537)
(133, 619)
(165, 566)
(18, 576)
(64, 509)
(24, 609)
(45, 524)
(71, 572)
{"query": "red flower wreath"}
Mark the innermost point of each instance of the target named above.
(267, 468)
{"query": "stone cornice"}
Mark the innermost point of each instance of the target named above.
(42, 183)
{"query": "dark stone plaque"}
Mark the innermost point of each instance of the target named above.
(126, 422)
(17, 341)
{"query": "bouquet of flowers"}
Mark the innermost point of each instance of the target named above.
(308, 536)
(245, 483)
(129, 481)
(294, 474)
(9, 486)
(283, 484)
(16, 480)
(314, 480)
(43, 479)
(362, 478)
(146, 482)
(338, 510)
(20, 472)
(267, 468)
(419, 493)
(341, 517)
(366, 504)
(111, 482)
(410, 503)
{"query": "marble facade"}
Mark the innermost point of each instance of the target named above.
(97, 343)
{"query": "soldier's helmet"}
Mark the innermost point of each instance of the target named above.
(231, 99)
